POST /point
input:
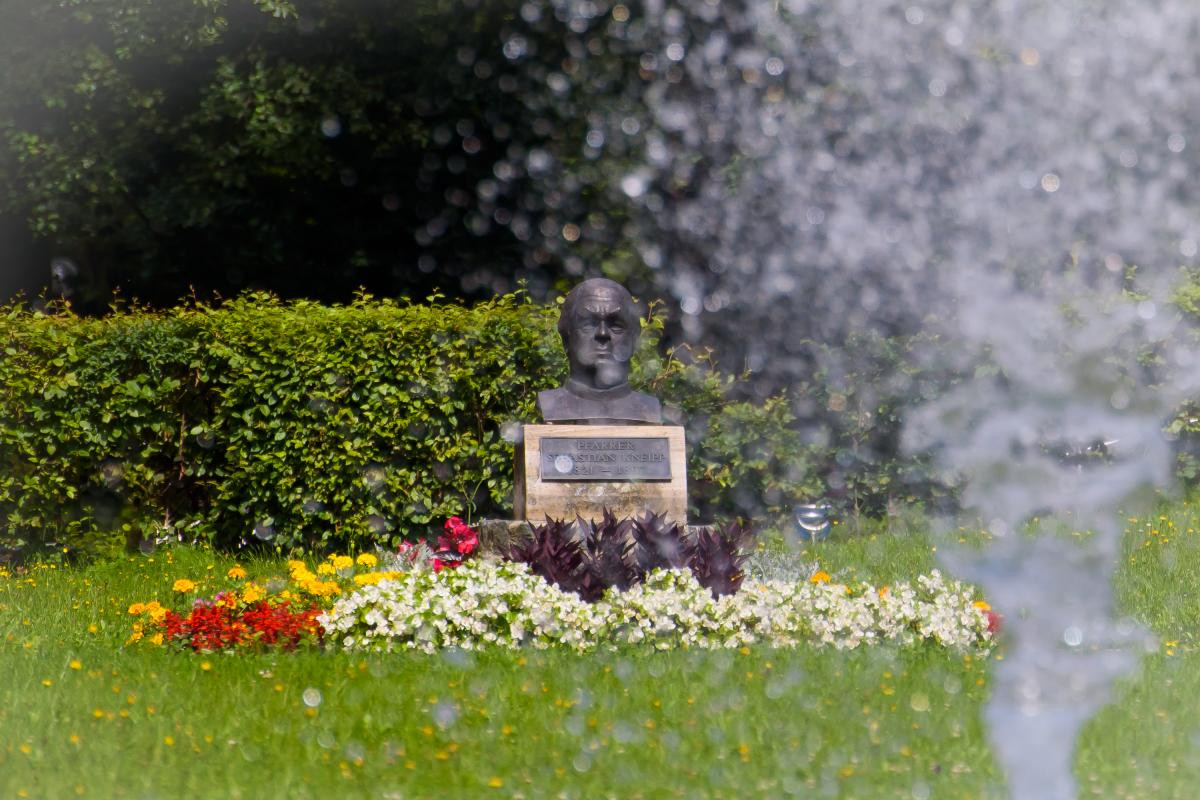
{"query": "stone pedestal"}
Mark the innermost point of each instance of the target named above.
(564, 471)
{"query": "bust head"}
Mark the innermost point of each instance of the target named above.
(599, 326)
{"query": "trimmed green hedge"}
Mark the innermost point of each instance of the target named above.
(311, 426)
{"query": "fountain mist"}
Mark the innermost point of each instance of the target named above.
(997, 174)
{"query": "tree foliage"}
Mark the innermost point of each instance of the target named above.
(308, 147)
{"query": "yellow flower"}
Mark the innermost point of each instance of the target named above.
(321, 588)
(253, 593)
(75, 664)
(982, 606)
(183, 586)
(157, 638)
(303, 577)
(294, 565)
(157, 613)
(366, 560)
(342, 562)
(326, 569)
(236, 573)
(820, 576)
(372, 578)
(137, 608)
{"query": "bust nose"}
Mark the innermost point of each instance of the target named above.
(603, 334)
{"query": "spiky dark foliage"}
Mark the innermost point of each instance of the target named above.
(718, 555)
(608, 559)
(553, 552)
(588, 558)
(661, 543)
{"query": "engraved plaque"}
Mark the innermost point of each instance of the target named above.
(603, 458)
(566, 492)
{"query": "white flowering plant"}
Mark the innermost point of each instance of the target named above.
(484, 603)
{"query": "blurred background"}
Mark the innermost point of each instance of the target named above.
(867, 208)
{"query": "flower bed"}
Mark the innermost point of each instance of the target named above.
(503, 604)
(427, 599)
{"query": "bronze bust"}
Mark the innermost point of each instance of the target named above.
(599, 327)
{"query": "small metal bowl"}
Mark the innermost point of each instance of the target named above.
(812, 522)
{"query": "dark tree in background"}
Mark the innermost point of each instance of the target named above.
(311, 147)
(308, 148)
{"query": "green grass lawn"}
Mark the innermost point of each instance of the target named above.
(1147, 743)
(80, 714)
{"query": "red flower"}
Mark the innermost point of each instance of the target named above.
(210, 627)
(994, 621)
(459, 538)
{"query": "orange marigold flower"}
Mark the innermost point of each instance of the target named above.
(820, 576)
(183, 586)
(236, 573)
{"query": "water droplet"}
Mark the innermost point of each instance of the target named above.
(1050, 182)
(112, 473)
(515, 47)
(375, 477)
(311, 697)
(264, 531)
(331, 127)
(634, 185)
(444, 714)
(1073, 636)
(510, 431)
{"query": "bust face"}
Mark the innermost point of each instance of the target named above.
(599, 340)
